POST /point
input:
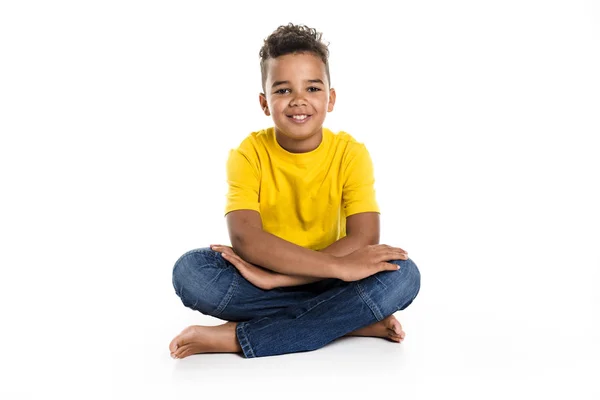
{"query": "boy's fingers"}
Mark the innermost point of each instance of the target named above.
(391, 250)
(392, 256)
(388, 247)
(390, 267)
(232, 259)
(223, 249)
(399, 255)
(235, 258)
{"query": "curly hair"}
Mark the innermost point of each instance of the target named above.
(290, 38)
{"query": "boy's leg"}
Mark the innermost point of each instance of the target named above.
(208, 283)
(344, 308)
(289, 319)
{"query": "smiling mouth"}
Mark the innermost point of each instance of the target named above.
(299, 117)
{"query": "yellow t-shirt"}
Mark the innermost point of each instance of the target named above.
(303, 198)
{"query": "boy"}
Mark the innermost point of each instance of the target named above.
(305, 266)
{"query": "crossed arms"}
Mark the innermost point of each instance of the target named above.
(351, 258)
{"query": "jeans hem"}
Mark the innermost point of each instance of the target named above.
(242, 337)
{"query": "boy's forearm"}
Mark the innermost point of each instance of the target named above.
(342, 247)
(283, 280)
(271, 252)
(348, 244)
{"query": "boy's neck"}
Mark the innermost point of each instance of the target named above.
(299, 146)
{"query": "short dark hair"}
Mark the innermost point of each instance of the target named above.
(290, 38)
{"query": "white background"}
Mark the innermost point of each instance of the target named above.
(482, 118)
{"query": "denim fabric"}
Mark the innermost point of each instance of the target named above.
(290, 319)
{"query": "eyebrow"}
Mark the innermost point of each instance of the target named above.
(279, 83)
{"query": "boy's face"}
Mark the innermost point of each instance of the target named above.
(298, 98)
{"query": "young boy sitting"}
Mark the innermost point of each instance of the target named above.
(305, 266)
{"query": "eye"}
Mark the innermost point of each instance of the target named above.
(282, 91)
(313, 89)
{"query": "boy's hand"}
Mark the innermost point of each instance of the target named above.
(368, 261)
(259, 277)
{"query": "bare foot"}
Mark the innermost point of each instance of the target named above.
(205, 339)
(389, 328)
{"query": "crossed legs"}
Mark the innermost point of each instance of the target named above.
(285, 320)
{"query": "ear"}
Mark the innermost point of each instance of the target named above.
(331, 100)
(263, 104)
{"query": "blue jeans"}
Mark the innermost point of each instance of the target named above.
(290, 319)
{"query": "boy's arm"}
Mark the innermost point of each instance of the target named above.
(258, 247)
(362, 229)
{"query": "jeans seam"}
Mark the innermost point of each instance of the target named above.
(244, 341)
(316, 305)
(189, 252)
(379, 280)
(369, 302)
(228, 296)
(175, 266)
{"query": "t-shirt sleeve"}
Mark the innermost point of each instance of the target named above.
(243, 183)
(358, 193)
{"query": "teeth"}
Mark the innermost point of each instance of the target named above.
(299, 117)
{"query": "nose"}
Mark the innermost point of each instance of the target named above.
(298, 100)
